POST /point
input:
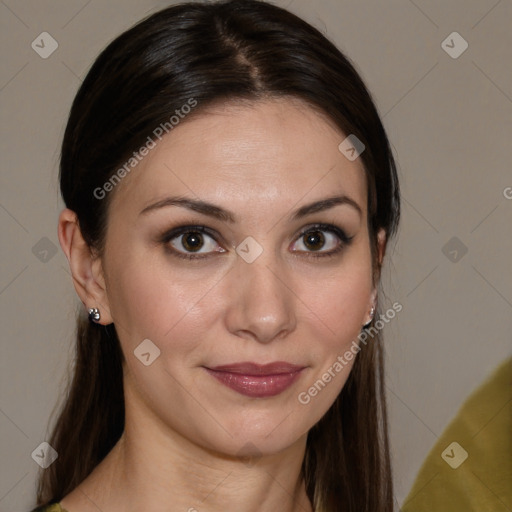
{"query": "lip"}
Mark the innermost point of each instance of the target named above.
(256, 380)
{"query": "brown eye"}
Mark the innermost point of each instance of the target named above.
(192, 241)
(314, 240)
(322, 240)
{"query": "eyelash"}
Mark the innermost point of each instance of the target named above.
(181, 230)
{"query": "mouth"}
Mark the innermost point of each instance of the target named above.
(255, 380)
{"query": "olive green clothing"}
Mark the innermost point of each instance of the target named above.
(469, 469)
(55, 507)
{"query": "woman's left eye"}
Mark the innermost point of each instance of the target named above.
(322, 240)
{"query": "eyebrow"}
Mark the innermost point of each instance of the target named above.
(226, 216)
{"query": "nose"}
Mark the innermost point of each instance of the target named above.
(261, 303)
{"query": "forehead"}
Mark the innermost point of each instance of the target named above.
(267, 155)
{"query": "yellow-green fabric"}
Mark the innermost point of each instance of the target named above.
(55, 507)
(482, 482)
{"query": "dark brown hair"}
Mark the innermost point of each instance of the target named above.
(212, 52)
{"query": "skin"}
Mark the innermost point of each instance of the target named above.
(185, 432)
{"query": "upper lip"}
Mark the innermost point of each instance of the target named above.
(248, 368)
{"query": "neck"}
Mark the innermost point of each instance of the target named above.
(152, 465)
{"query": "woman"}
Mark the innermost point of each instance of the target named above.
(230, 192)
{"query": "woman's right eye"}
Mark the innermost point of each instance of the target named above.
(191, 242)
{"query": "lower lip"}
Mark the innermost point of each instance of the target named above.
(256, 386)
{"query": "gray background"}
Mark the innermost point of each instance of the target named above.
(450, 122)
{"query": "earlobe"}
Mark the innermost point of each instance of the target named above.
(86, 269)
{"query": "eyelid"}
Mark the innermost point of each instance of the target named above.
(175, 232)
(344, 240)
(332, 228)
(187, 228)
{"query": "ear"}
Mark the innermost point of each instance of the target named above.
(86, 268)
(381, 246)
(381, 251)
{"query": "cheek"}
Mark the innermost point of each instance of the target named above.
(339, 301)
(339, 312)
(152, 298)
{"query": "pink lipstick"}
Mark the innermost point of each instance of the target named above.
(255, 380)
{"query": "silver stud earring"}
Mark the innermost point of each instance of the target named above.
(94, 315)
(372, 312)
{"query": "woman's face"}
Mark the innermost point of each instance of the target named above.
(264, 285)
